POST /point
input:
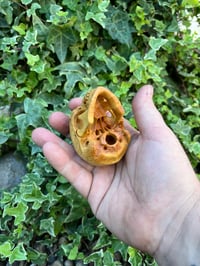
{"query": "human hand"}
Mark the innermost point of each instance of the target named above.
(140, 198)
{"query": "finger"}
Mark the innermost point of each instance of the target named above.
(75, 102)
(60, 122)
(67, 166)
(42, 135)
(132, 130)
(148, 118)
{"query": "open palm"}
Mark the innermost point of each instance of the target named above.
(137, 198)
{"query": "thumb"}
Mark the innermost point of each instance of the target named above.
(147, 116)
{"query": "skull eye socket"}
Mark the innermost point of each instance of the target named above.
(111, 139)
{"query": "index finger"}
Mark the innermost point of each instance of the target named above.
(75, 102)
(67, 165)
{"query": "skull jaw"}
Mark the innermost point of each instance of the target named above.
(101, 152)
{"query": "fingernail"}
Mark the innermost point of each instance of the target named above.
(149, 90)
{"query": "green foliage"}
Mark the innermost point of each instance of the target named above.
(51, 51)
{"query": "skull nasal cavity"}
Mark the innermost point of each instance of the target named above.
(110, 139)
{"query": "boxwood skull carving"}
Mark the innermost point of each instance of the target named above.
(97, 129)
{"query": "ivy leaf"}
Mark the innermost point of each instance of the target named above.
(74, 72)
(173, 26)
(103, 5)
(29, 40)
(26, 2)
(195, 148)
(61, 37)
(47, 225)
(19, 212)
(71, 82)
(32, 10)
(180, 127)
(150, 55)
(21, 29)
(36, 257)
(39, 26)
(132, 255)
(7, 197)
(9, 61)
(103, 241)
(118, 26)
(108, 258)
(7, 10)
(39, 67)
(190, 3)
(139, 18)
(157, 43)
(4, 137)
(32, 59)
(98, 17)
(32, 116)
(5, 249)
(32, 193)
(18, 253)
(71, 4)
(73, 253)
(97, 11)
(95, 257)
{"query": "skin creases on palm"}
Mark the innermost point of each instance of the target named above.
(97, 128)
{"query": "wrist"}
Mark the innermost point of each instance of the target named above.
(180, 244)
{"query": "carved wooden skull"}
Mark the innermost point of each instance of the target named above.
(97, 129)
